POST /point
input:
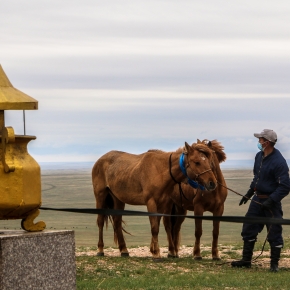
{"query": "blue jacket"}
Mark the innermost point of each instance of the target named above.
(271, 175)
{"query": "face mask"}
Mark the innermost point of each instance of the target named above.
(260, 147)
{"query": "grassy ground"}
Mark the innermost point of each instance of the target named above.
(61, 188)
(182, 273)
(74, 189)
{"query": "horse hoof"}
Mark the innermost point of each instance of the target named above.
(124, 254)
(216, 258)
(100, 254)
(172, 256)
(158, 260)
(198, 258)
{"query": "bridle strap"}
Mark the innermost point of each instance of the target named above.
(192, 183)
(197, 175)
(181, 193)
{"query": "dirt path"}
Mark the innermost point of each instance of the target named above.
(262, 261)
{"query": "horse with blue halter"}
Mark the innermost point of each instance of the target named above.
(121, 178)
(194, 198)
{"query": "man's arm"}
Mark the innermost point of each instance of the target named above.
(282, 178)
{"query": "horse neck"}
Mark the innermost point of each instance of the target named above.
(218, 171)
(175, 168)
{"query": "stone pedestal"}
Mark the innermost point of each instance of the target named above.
(37, 260)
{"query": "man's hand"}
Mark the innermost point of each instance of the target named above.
(246, 197)
(268, 203)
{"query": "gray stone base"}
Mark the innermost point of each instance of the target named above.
(38, 260)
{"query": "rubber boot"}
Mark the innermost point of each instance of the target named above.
(275, 257)
(247, 255)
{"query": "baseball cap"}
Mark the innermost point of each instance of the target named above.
(267, 134)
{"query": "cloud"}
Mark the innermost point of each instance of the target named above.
(138, 124)
(132, 75)
(68, 20)
(252, 67)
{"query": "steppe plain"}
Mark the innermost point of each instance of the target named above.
(72, 188)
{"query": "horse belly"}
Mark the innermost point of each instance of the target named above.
(127, 194)
(123, 174)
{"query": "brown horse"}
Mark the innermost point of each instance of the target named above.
(146, 179)
(199, 202)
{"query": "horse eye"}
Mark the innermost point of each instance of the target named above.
(197, 163)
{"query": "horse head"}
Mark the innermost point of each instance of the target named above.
(198, 164)
(218, 154)
(216, 148)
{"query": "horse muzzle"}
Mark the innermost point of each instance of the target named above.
(210, 186)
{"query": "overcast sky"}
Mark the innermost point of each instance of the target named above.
(137, 75)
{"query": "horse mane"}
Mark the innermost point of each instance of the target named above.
(180, 149)
(217, 148)
(156, 150)
(203, 147)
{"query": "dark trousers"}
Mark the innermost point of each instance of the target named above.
(250, 231)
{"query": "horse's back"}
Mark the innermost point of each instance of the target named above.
(116, 159)
(127, 175)
(117, 166)
(123, 161)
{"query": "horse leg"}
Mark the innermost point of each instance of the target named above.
(198, 233)
(168, 229)
(168, 222)
(100, 223)
(177, 229)
(215, 234)
(154, 246)
(100, 203)
(176, 223)
(118, 229)
(154, 222)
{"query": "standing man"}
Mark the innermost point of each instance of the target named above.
(269, 186)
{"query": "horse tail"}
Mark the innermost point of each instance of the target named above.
(109, 204)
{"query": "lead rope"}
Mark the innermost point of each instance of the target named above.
(262, 250)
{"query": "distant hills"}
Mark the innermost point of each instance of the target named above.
(228, 164)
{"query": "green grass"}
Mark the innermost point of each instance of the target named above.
(74, 189)
(182, 273)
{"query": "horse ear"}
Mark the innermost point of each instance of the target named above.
(209, 144)
(187, 148)
(198, 141)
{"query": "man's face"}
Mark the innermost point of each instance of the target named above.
(264, 142)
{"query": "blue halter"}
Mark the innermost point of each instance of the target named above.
(191, 182)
